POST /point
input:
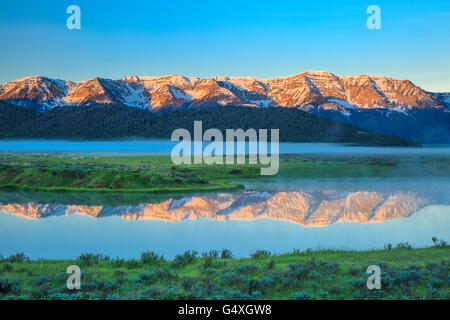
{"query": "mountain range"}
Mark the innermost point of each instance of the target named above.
(375, 103)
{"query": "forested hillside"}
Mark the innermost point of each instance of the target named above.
(116, 121)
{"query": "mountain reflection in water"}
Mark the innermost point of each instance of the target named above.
(306, 208)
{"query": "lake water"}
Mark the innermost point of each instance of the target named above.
(331, 215)
(164, 147)
(278, 216)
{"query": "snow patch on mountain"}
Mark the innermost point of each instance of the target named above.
(180, 94)
(343, 103)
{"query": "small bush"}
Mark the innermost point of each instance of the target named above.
(270, 265)
(151, 257)
(41, 280)
(146, 278)
(184, 259)
(165, 274)
(90, 259)
(439, 243)
(259, 254)
(404, 245)
(247, 269)
(208, 263)
(6, 267)
(10, 286)
(18, 257)
(187, 283)
(226, 254)
(211, 254)
(302, 296)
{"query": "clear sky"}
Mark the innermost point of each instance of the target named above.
(226, 38)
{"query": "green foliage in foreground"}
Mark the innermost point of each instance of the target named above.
(157, 174)
(406, 273)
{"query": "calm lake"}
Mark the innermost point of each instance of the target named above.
(164, 147)
(278, 216)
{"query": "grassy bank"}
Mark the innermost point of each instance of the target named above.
(406, 273)
(157, 174)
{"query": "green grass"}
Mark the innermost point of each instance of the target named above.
(325, 274)
(157, 174)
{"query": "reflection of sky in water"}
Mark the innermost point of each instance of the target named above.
(68, 236)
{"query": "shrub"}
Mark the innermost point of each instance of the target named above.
(302, 296)
(165, 274)
(404, 245)
(298, 271)
(18, 257)
(149, 293)
(247, 268)
(41, 291)
(41, 280)
(146, 278)
(208, 263)
(258, 254)
(118, 263)
(270, 265)
(90, 259)
(10, 286)
(211, 254)
(6, 267)
(226, 254)
(151, 257)
(439, 243)
(184, 259)
(187, 283)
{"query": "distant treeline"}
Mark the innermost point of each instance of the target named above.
(116, 121)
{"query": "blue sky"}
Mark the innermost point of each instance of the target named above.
(233, 38)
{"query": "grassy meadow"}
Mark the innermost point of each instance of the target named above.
(157, 174)
(406, 273)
